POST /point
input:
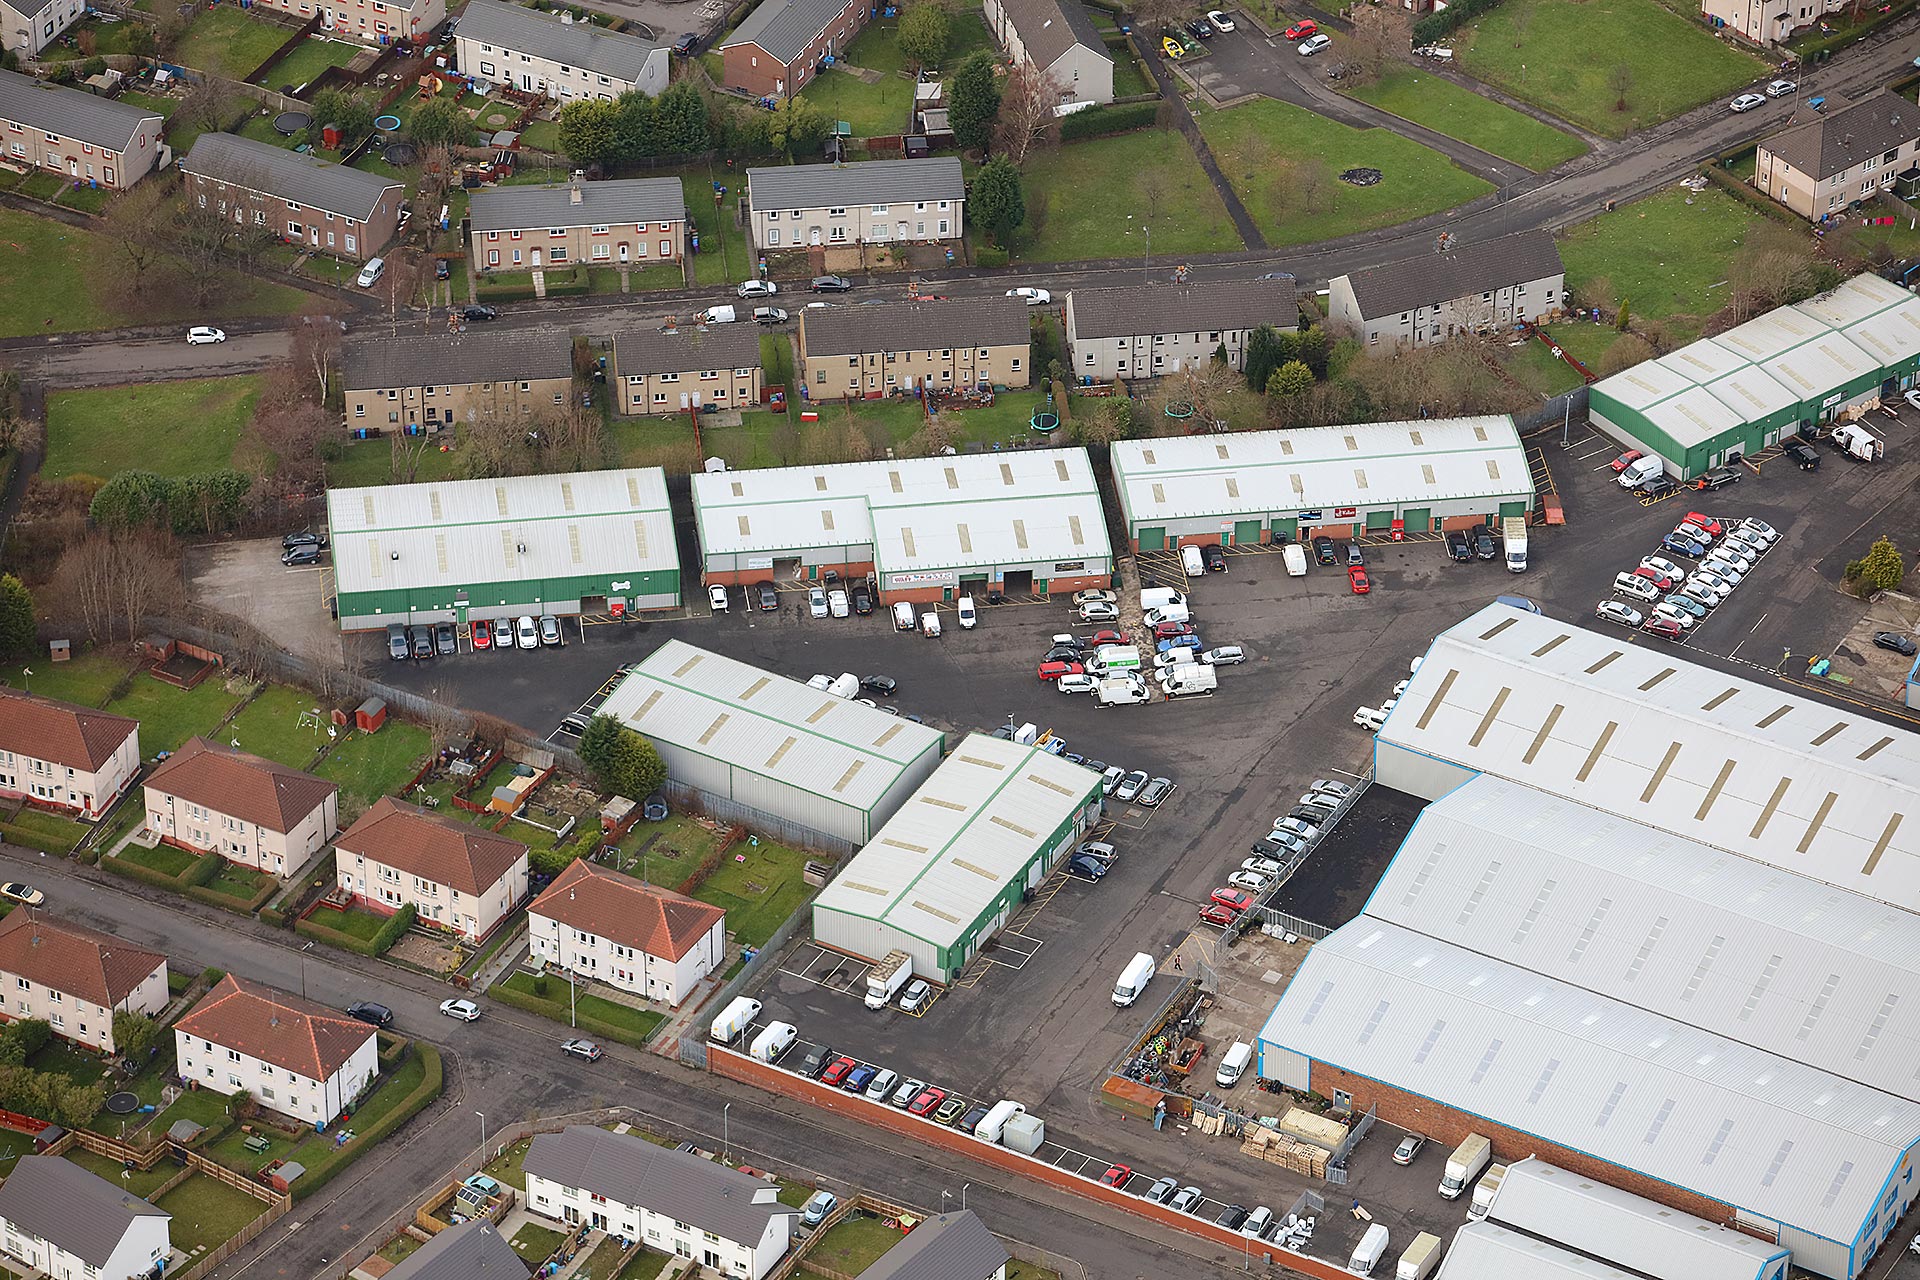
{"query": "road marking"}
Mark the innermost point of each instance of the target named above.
(1750, 630)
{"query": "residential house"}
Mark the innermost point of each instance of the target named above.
(782, 44)
(75, 979)
(87, 138)
(514, 47)
(28, 26)
(330, 208)
(946, 1246)
(672, 1201)
(252, 811)
(298, 1058)
(628, 220)
(670, 370)
(1767, 22)
(1842, 158)
(63, 757)
(376, 22)
(470, 1250)
(1480, 288)
(617, 930)
(871, 202)
(1059, 38)
(67, 1223)
(457, 876)
(867, 352)
(1146, 330)
(425, 383)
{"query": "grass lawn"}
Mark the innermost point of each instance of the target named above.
(645, 1265)
(317, 1151)
(206, 1213)
(1460, 113)
(63, 833)
(86, 680)
(308, 59)
(635, 1024)
(88, 431)
(239, 883)
(225, 41)
(506, 1165)
(202, 1106)
(1662, 254)
(541, 135)
(169, 716)
(370, 765)
(1564, 57)
(353, 922)
(163, 858)
(1129, 77)
(400, 1248)
(1256, 143)
(534, 1242)
(1082, 217)
(1017, 1270)
(724, 253)
(873, 110)
(853, 1244)
(1531, 363)
(759, 886)
(655, 275)
(269, 726)
(372, 462)
(673, 849)
(141, 1184)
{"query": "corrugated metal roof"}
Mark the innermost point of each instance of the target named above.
(961, 839)
(1644, 385)
(1641, 1234)
(1765, 337)
(1650, 736)
(1488, 1251)
(1693, 416)
(1368, 464)
(1815, 368)
(1752, 393)
(1892, 335)
(769, 725)
(1702, 362)
(459, 532)
(1854, 300)
(1693, 1109)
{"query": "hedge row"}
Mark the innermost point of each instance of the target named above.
(32, 839)
(414, 1103)
(1098, 122)
(146, 875)
(388, 933)
(1751, 198)
(228, 902)
(1818, 50)
(1450, 19)
(584, 1021)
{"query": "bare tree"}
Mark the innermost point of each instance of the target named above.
(1620, 80)
(211, 105)
(1206, 387)
(1027, 121)
(138, 225)
(1150, 16)
(1314, 182)
(1381, 38)
(407, 453)
(111, 578)
(316, 344)
(293, 432)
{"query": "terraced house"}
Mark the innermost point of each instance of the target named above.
(1435, 296)
(247, 809)
(63, 757)
(327, 207)
(854, 353)
(1841, 159)
(1147, 330)
(75, 979)
(872, 202)
(427, 383)
(673, 370)
(517, 48)
(630, 220)
(376, 22)
(783, 44)
(456, 876)
(89, 139)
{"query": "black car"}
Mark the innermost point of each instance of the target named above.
(304, 538)
(1216, 558)
(1086, 868)
(1231, 1217)
(422, 638)
(443, 639)
(686, 44)
(1200, 29)
(308, 554)
(1317, 814)
(1902, 645)
(815, 1060)
(1457, 545)
(479, 313)
(882, 685)
(1062, 653)
(368, 1011)
(1483, 544)
(1807, 459)
(1718, 478)
(1323, 551)
(1004, 732)
(769, 598)
(1660, 486)
(831, 284)
(862, 599)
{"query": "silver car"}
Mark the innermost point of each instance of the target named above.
(817, 601)
(1129, 786)
(913, 999)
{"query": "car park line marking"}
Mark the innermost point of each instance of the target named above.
(1750, 630)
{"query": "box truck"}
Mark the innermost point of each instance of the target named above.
(1464, 1165)
(1421, 1257)
(1133, 979)
(1194, 678)
(1483, 1192)
(1367, 1254)
(995, 1123)
(734, 1019)
(1513, 534)
(885, 979)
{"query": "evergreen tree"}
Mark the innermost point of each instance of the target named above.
(16, 618)
(976, 102)
(996, 201)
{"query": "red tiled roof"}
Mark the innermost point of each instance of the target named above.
(275, 1027)
(407, 838)
(60, 732)
(242, 786)
(89, 966)
(658, 921)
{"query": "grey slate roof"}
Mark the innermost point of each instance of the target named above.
(949, 1246)
(1168, 308)
(1048, 28)
(579, 44)
(602, 204)
(1433, 278)
(479, 354)
(820, 186)
(81, 1212)
(258, 166)
(915, 326)
(472, 1250)
(784, 28)
(1831, 144)
(72, 113)
(633, 1171)
(724, 346)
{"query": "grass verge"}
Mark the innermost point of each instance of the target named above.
(1446, 107)
(1091, 200)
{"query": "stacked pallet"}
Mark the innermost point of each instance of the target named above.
(1284, 1149)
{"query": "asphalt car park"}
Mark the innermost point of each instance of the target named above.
(287, 602)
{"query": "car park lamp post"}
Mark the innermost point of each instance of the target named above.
(726, 1134)
(944, 1197)
(963, 1197)
(483, 1140)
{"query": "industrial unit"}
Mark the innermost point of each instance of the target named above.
(785, 758)
(951, 867)
(1828, 359)
(1344, 482)
(456, 550)
(926, 529)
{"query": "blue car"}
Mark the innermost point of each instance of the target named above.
(1180, 642)
(1087, 868)
(859, 1078)
(1683, 545)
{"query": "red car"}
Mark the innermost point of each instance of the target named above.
(1625, 460)
(1357, 579)
(1054, 670)
(1099, 638)
(1657, 578)
(482, 634)
(837, 1072)
(1708, 523)
(1233, 899)
(1216, 914)
(1171, 630)
(926, 1100)
(1301, 30)
(1117, 1175)
(1665, 628)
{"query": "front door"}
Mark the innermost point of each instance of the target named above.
(902, 227)
(623, 252)
(813, 236)
(536, 259)
(73, 167)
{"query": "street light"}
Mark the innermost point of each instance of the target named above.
(726, 1134)
(483, 1138)
(963, 1197)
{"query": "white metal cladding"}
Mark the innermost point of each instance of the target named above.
(1488, 1251)
(828, 754)
(967, 833)
(1317, 468)
(1690, 1108)
(1892, 335)
(1640, 1234)
(1416, 774)
(1647, 735)
(1752, 393)
(871, 939)
(1778, 961)
(1822, 1257)
(799, 804)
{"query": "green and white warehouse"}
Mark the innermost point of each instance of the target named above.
(954, 864)
(782, 757)
(1824, 360)
(1345, 482)
(456, 550)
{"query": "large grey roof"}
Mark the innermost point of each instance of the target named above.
(602, 204)
(784, 28)
(723, 346)
(1048, 28)
(449, 360)
(71, 112)
(1831, 144)
(1168, 308)
(915, 326)
(947, 1246)
(258, 166)
(573, 44)
(1489, 1251)
(1433, 278)
(81, 1212)
(472, 1250)
(869, 182)
(632, 1171)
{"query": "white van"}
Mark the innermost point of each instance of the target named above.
(902, 616)
(1192, 562)
(371, 273)
(1133, 979)
(734, 1019)
(1162, 598)
(930, 624)
(964, 607)
(1639, 471)
(1367, 1254)
(995, 1124)
(723, 314)
(1295, 556)
(1233, 1065)
(846, 686)
(776, 1039)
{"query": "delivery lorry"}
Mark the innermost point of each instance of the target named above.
(1513, 534)
(885, 979)
(1367, 1254)
(1484, 1191)
(733, 1019)
(1190, 679)
(1421, 1257)
(1464, 1165)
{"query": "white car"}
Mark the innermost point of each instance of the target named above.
(1727, 561)
(1699, 533)
(1664, 567)
(1747, 102)
(1781, 88)
(525, 633)
(1098, 611)
(1745, 541)
(1632, 584)
(201, 333)
(1177, 657)
(1224, 656)
(1722, 582)
(1306, 830)
(757, 289)
(1367, 718)
(1913, 397)
(1674, 613)
(1331, 787)
(717, 598)
(1077, 682)
(1314, 44)
(817, 601)
(1219, 21)
(1261, 866)
(963, 607)
(1766, 532)
(1614, 611)
(1695, 589)
(1251, 881)
(837, 604)
(1034, 297)
(465, 1010)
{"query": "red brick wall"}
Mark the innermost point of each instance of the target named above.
(739, 71)
(1449, 523)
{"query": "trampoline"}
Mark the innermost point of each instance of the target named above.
(288, 123)
(1044, 422)
(388, 123)
(1180, 409)
(1361, 177)
(399, 154)
(123, 1103)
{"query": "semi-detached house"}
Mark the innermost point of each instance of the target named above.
(515, 47)
(75, 979)
(87, 138)
(855, 353)
(638, 937)
(1476, 289)
(629, 220)
(456, 876)
(1058, 38)
(327, 207)
(298, 1058)
(872, 202)
(249, 810)
(427, 383)
(784, 44)
(1147, 330)
(28, 26)
(1838, 160)
(60, 756)
(67, 1223)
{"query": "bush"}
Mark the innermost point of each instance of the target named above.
(991, 255)
(401, 921)
(540, 985)
(1456, 15)
(146, 875)
(1815, 51)
(1098, 122)
(22, 1039)
(30, 839)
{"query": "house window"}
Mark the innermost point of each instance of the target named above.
(773, 235)
(1016, 364)
(837, 213)
(486, 68)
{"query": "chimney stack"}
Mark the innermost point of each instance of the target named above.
(574, 194)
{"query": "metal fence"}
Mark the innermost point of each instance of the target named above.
(1337, 1162)
(1281, 922)
(771, 824)
(1264, 915)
